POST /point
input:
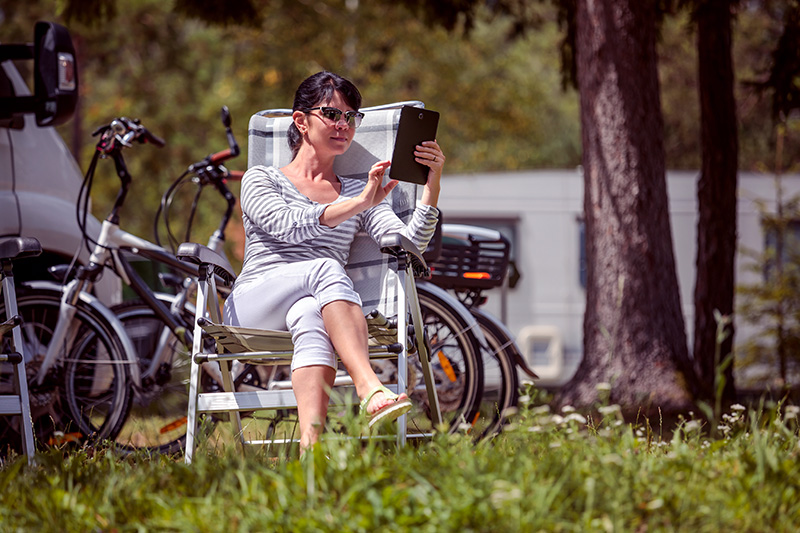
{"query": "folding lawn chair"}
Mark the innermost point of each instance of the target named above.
(18, 402)
(383, 274)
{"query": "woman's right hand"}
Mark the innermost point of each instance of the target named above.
(375, 192)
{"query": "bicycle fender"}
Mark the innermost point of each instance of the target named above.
(111, 319)
(457, 306)
(518, 359)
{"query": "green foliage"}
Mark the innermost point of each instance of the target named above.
(500, 98)
(774, 304)
(498, 85)
(548, 472)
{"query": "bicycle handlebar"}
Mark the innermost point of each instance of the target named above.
(218, 157)
(121, 132)
(207, 171)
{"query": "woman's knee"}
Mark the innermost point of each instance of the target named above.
(329, 282)
(312, 345)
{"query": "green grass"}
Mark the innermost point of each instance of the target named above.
(547, 472)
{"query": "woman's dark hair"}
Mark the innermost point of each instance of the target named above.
(316, 89)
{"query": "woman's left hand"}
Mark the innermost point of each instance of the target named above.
(430, 154)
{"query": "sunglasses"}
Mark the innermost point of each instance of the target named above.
(332, 114)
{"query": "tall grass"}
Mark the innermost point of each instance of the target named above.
(547, 472)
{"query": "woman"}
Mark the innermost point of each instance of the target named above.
(299, 222)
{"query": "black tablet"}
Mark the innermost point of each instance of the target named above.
(416, 125)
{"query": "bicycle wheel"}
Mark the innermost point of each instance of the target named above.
(85, 396)
(157, 418)
(456, 363)
(501, 382)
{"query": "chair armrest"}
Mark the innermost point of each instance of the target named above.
(398, 245)
(198, 254)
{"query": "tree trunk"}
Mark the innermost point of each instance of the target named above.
(634, 333)
(716, 194)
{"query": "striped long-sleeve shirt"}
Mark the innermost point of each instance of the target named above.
(282, 225)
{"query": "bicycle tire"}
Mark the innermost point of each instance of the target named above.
(500, 358)
(85, 396)
(456, 362)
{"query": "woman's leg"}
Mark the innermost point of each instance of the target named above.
(311, 385)
(313, 369)
(347, 329)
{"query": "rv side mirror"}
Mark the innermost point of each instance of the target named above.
(56, 74)
(55, 83)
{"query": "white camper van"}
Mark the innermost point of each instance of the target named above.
(39, 178)
(541, 213)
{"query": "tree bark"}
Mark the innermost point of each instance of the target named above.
(634, 332)
(716, 194)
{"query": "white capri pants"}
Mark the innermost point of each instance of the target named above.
(290, 298)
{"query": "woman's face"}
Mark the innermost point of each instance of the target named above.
(325, 135)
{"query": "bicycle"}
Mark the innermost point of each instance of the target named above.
(470, 261)
(156, 420)
(54, 314)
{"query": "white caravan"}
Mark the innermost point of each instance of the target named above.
(541, 213)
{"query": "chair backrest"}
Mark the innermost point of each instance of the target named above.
(372, 272)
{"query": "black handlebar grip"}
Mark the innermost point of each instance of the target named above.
(151, 138)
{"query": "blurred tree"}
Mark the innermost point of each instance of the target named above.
(716, 198)
(634, 333)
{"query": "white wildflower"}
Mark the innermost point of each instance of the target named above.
(557, 419)
(541, 410)
(658, 503)
(504, 491)
(577, 417)
(603, 387)
(738, 407)
(692, 425)
(609, 409)
(612, 458)
(567, 409)
(509, 412)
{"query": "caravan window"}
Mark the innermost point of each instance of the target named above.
(790, 255)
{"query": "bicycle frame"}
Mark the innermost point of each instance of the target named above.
(111, 244)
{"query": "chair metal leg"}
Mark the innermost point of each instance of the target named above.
(424, 356)
(194, 384)
(20, 377)
(402, 358)
(235, 417)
